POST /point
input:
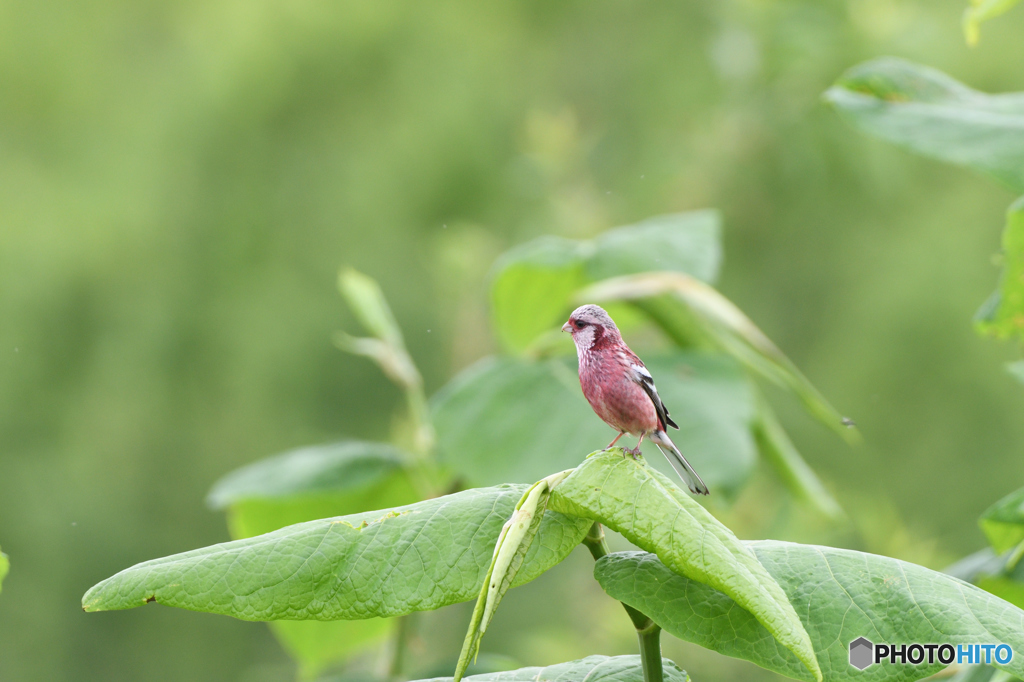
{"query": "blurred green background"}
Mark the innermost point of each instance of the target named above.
(180, 182)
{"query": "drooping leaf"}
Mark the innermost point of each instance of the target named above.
(512, 419)
(509, 552)
(982, 10)
(653, 513)
(372, 564)
(799, 478)
(689, 310)
(1003, 314)
(928, 112)
(367, 301)
(5, 566)
(1003, 522)
(387, 349)
(532, 284)
(590, 669)
(839, 594)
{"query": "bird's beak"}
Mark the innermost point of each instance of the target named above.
(567, 328)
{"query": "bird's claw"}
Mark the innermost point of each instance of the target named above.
(634, 453)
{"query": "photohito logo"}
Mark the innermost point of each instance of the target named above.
(864, 653)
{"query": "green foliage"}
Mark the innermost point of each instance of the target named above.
(654, 514)
(839, 594)
(515, 420)
(928, 112)
(5, 566)
(316, 644)
(689, 310)
(1003, 314)
(308, 484)
(932, 114)
(980, 11)
(382, 563)
(774, 443)
(509, 554)
(1016, 369)
(387, 349)
(591, 669)
(1003, 522)
(533, 284)
(338, 468)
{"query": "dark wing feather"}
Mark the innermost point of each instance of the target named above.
(646, 381)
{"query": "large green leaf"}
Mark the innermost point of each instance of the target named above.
(839, 594)
(590, 669)
(694, 313)
(513, 419)
(1003, 522)
(928, 112)
(373, 564)
(532, 284)
(654, 514)
(5, 566)
(1003, 314)
(307, 484)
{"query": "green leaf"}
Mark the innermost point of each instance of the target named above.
(367, 301)
(689, 310)
(513, 419)
(928, 112)
(1016, 370)
(317, 644)
(531, 288)
(840, 595)
(1003, 522)
(532, 284)
(5, 566)
(776, 447)
(983, 10)
(653, 513)
(334, 468)
(509, 552)
(372, 564)
(590, 669)
(1003, 314)
(678, 242)
(307, 484)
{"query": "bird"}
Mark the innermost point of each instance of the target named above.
(621, 390)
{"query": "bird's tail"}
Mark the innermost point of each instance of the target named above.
(679, 463)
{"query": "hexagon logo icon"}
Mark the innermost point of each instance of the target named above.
(861, 653)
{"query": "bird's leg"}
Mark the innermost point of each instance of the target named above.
(636, 451)
(621, 433)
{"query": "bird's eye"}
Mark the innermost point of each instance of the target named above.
(580, 324)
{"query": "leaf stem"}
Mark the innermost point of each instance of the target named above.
(403, 632)
(647, 631)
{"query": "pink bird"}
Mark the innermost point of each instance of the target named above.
(621, 390)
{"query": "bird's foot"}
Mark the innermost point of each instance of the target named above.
(634, 453)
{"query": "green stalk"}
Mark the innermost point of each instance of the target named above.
(404, 630)
(647, 631)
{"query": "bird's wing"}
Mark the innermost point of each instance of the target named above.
(643, 377)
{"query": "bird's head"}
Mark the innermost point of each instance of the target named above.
(590, 325)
